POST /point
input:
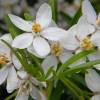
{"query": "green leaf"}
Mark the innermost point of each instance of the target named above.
(76, 17)
(28, 17)
(53, 4)
(73, 59)
(12, 28)
(81, 67)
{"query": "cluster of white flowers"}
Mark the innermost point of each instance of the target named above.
(44, 39)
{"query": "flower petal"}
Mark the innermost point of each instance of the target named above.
(41, 46)
(23, 41)
(37, 95)
(95, 56)
(32, 51)
(22, 96)
(89, 11)
(54, 33)
(93, 80)
(12, 80)
(84, 29)
(16, 62)
(96, 38)
(96, 97)
(20, 23)
(7, 38)
(4, 50)
(22, 74)
(65, 56)
(46, 64)
(44, 12)
(70, 42)
(3, 74)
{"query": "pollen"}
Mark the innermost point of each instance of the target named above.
(3, 60)
(56, 49)
(36, 27)
(98, 21)
(86, 44)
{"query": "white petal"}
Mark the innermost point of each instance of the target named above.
(53, 24)
(82, 20)
(32, 51)
(12, 80)
(49, 61)
(96, 97)
(4, 50)
(96, 38)
(70, 42)
(41, 46)
(89, 11)
(44, 13)
(65, 56)
(22, 74)
(37, 95)
(54, 33)
(22, 96)
(84, 29)
(23, 41)
(7, 38)
(20, 23)
(3, 74)
(95, 56)
(16, 62)
(93, 80)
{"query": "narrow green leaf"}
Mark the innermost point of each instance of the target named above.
(76, 17)
(73, 59)
(53, 4)
(28, 17)
(12, 28)
(80, 67)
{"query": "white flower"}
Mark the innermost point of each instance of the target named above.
(90, 14)
(93, 82)
(58, 53)
(37, 31)
(8, 63)
(27, 86)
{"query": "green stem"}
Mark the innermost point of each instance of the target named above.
(53, 4)
(81, 67)
(50, 88)
(11, 96)
(73, 59)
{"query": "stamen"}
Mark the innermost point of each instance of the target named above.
(36, 27)
(3, 59)
(56, 49)
(86, 44)
(98, 21)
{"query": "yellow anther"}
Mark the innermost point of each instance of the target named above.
(36, 27)
(3, 59)
(98, 21)
(86, 44)
(56, 49)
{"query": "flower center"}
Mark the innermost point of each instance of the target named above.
(3, 59)
(87, 44)
(56, 49)
(36, 27)
(98, 21)
(26, 87)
